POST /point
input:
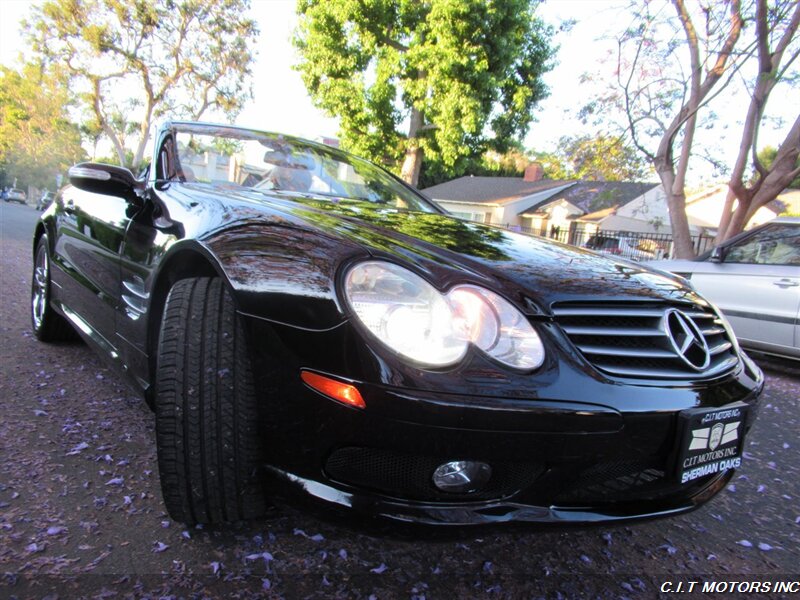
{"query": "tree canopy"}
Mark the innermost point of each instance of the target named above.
(37, 139)
(672, 62)
(130, 62)
(439, 80)
(602, 158)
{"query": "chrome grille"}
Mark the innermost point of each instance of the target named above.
(631, 339)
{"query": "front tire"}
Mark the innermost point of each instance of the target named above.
(207, 426)
(47, 325)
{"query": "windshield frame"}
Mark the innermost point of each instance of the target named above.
(169, 134)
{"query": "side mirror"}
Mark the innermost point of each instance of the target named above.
(104, 179)
(717, 254)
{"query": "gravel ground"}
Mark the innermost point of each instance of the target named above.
(81, 512)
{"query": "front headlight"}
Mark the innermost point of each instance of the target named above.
(412, 318)
(496, 327)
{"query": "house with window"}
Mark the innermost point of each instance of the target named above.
(541, 206)
(506, 201)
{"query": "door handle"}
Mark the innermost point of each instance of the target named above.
(785, 283)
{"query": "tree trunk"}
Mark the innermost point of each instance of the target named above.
(144, 135)
(676, 203)
(725, 219)
(107, 129)
(768, 184)
(412, 163)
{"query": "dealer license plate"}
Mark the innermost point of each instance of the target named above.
(712, 441)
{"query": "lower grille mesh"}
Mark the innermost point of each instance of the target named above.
(626, 481)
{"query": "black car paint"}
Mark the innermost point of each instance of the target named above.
(282, 254)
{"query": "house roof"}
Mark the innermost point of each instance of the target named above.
(598, 215)
(540, 207)
(593, 196)
(489, 190)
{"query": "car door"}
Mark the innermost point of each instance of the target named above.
(757, 286)
(90, 232)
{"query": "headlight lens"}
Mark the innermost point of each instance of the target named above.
(404, 312)
(412, 318)
(496, 327)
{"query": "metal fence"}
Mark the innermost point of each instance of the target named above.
(633, 245)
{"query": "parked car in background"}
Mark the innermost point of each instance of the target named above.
(16, 195)
(305, 323)
(755, 279)
(45, 200)
(632, 249)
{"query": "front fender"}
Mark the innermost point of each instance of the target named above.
(282, 272)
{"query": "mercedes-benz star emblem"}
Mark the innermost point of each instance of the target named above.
(687, 340)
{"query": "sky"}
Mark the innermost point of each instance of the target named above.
(282, 104)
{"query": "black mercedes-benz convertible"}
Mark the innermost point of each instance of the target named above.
(303, 322)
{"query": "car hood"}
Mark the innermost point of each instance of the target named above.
(450, 250)
(533, 271)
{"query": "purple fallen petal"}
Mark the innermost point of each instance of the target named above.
(379, 570)
(343, 552)
(761, 489)
(115, 481)
(265, 584)
(745, 543)
(260, 555)
(317, 538)
(160, 547)
(764, 547)
(300, 532)
(78, 449)
(40, 413)
(126, 500)
(215, 567)
(55, 530)
(186, 534)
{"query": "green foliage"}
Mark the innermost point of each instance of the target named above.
(603, 158)
(471, 69)
(767, 156)
(37, 139)
(129, 62)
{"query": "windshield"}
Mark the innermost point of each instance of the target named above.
(276, 163)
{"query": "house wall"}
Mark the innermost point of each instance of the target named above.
(501, 212)
(473, 212)
(706, 209)
(648, 212)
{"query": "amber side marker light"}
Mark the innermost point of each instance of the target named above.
(343, 392)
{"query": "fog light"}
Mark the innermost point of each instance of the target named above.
(462, 476)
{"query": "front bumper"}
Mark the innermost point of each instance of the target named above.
(554, 459)
(495, 512)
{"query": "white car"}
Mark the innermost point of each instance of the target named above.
(619, 246)
(15, 195)
(755, 279)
